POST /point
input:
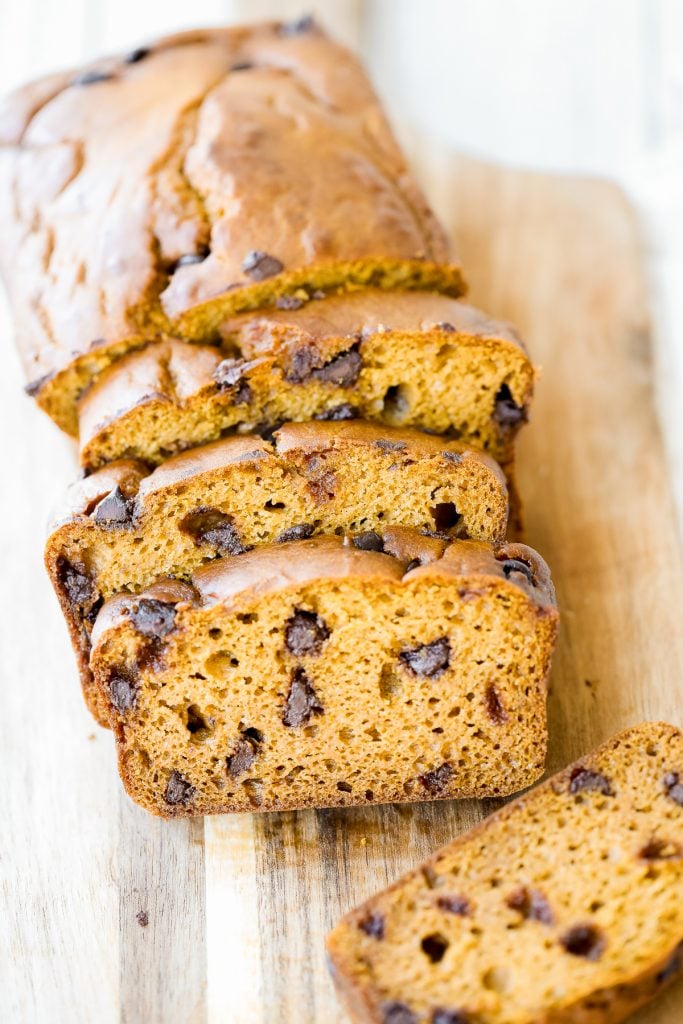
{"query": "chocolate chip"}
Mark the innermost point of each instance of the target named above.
(494, 705)
(123, 690)
(299, 27)
(434, 947)
(660, 849)
(305, 633)
(368, 541)
(114, 509)
(531, 904)
(304, 359)
(444, 326)
(428, 659)
(450, 1017)
(299, 532)
(437, 781)
(259, 265)
(243, 65)
(672, 967)
(301, 703)
(459, 905)
(506, 412)
(245, 753)
(454, 457)
(213, 527)
(673, 787)
(385, 445)
(91, 77)
(228, 377)
(584, 940)
(75, 581)
(142, 918)
(288, 302)
(339, 412)
(135, 56)
(322, 488)
(342, 371)
(34, 386)
(178, 790)
(517, 567)
(397, 1013)
(584, 779)
(153, 618)
(445, 516)
(373, 925)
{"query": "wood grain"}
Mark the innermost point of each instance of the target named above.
(236, 923)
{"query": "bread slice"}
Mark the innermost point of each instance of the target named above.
(407, 359)
(124, 526)
(163, 190)
(566, 906)
(315, 673)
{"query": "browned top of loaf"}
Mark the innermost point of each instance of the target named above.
(140, 187)
(270, 567)
(136, 480)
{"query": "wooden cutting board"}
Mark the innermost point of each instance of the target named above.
(237, 907)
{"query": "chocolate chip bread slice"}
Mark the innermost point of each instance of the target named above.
(407, 358)
(209, 172)
(566, 906)
(124, 526)
(315, 673)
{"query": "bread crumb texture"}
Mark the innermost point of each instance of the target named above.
(566, 906)
(316, 673)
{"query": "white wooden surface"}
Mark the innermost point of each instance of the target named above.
(566, 85)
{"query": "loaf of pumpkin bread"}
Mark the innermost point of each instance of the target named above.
(163, 190)
(404, 358)
(316, 673)
(564, 907)
(124, 526)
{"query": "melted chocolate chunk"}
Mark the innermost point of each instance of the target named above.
(34, 386)
(305, 633)
(660, 849)
(91, 77)
(437, 781)
(153, 618)
(428, 659)
(114, 509)
(301, 703)
(494, 705)
(228, 377)
(584, 779)
(531, 904)
(368, 541)
(445, 516)
(322, 488)
(516, 567)
(454, 457)
(299, 27)
(75, 581)
(398, 1013)
(584, 940)
(339, 412)
(178, 790)
(459, 905)
(506, 412)
(123, 690)
(135, 56)
(373, 925)
(245, 753)
(385, 445)
(299, 532)
(213, 527)
(288, 302)
(342, 371)
(441, 1016)
(259, 265)
(673, 787)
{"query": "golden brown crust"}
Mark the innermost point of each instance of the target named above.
(518, 967)
(421, 715)
(405, 358)
(216, 171)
